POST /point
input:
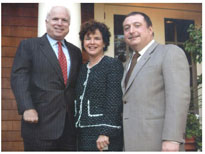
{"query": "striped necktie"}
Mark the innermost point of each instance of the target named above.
(62, 61)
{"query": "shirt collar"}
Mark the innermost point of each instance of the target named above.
(141, 52)
(53, 42)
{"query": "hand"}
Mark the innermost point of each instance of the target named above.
(102, 142)
(30, 116)
(170, 146)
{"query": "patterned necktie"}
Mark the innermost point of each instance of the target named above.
(133, 63)
(62, 61)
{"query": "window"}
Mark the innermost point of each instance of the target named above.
(122, 50)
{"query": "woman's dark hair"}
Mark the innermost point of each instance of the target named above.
(90, 27)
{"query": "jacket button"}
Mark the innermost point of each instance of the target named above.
(124, 102)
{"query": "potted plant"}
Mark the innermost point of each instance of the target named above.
(193, 133)
(193, 129)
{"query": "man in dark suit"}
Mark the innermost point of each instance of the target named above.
(43, 79)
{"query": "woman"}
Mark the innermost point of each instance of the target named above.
(98, 106)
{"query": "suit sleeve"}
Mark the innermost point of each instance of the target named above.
(177, 93)
(20, 76)
(113, 104)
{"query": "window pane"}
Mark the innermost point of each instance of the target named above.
(182, 26)
(120, 46)
(169, 30)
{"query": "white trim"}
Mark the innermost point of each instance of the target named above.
(92, 115)
(81, 98)
(99, 125)
(75, 103)
(77, 124)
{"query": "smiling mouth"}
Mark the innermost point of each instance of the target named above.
(58, 30)
(133, 37)
(92, 48)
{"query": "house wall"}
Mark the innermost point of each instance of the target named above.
(157, 11)
(19, 21)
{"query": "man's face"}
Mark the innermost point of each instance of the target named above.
(57, 23)
(137, 34)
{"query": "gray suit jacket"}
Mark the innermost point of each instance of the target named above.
(37, 83)
(156, 99)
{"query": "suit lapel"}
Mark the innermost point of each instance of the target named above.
(50, 55)
(71, 62)
(140, 65)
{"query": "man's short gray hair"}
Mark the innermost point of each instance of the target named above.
(49, 12)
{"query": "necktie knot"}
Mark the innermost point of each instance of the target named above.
(136, 55)
(59, 44)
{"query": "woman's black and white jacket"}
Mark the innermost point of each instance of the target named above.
(99, 97)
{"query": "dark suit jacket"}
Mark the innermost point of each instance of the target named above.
(37, 83)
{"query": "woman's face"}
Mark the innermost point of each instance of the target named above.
(93, 43)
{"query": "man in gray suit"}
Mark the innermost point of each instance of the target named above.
(43, 80)
(156, 91)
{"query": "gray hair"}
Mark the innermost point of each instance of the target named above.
(49, 12)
